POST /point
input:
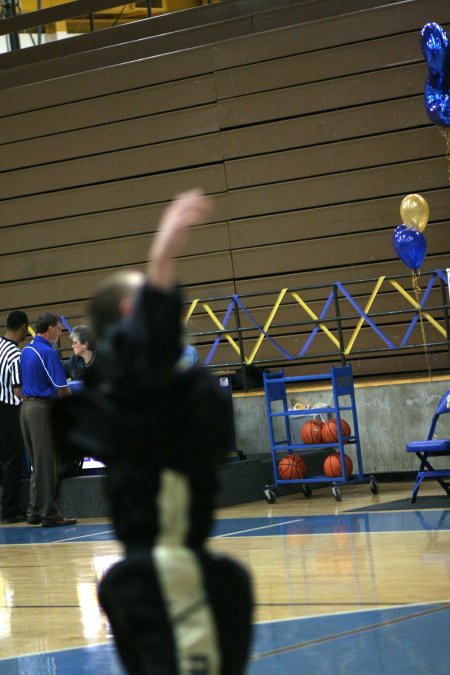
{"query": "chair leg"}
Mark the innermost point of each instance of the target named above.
(427, 470)
(416, 489)
(420, 475)
(444, 485)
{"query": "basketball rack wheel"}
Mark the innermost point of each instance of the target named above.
(374, 487)
(306, 490)
(270, 495)
(337, 494)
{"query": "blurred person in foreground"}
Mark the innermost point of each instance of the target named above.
(162, 429)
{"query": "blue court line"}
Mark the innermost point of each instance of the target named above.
(409, 639)
(396, 640)
(42, 535)
(386, 521)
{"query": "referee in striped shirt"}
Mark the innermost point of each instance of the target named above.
(11, 442)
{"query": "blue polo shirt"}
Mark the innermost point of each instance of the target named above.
(42, 370)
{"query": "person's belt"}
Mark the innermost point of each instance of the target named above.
(37, 398)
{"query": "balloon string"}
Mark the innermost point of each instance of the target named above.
(418, 292)
(446, 134)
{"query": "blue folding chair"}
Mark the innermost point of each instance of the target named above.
(432, 447)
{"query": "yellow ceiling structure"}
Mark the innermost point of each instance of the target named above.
(120, 14)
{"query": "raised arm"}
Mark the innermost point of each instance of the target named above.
(187, 209)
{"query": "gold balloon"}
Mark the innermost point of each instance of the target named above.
(414, 212)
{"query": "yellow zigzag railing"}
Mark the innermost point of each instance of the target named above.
(320, 325)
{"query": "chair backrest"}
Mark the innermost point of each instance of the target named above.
(442, 408)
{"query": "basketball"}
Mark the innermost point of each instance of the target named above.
(330, 431)
(345, 428)
(332, 466)
(311, 432)
(291, 467)
(319, 421)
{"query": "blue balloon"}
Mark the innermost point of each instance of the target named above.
(436, 50)
(410, 246)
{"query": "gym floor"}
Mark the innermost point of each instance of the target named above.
(337, 591)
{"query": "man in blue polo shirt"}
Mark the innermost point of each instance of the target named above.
(43, 380)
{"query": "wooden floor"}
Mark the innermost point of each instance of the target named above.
(336, 590)
(307, 572)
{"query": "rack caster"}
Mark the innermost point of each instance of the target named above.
(374, 487)
(307, 491)
(270, 496)
(337, 493)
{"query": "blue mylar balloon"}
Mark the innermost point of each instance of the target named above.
(410, 246)
(436, 50)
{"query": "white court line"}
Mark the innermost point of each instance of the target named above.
(255, 529)
(82, 536)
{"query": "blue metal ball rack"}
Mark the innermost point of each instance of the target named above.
(341, 379)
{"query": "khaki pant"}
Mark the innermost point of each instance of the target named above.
(35, 421)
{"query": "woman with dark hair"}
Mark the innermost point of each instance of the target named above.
(83, 356)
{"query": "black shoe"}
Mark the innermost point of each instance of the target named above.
(59, 521)
(34, 519)
(17, 518)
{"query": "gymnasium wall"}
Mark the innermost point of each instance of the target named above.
(390, 415)
(307, 132)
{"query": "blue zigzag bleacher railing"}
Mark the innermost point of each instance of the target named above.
(319, 322)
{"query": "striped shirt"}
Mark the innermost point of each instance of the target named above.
(9, 371)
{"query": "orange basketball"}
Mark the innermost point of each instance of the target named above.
(291, 467)
(311, 432)
(330, 431)
(332, 466)
(345, 428)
